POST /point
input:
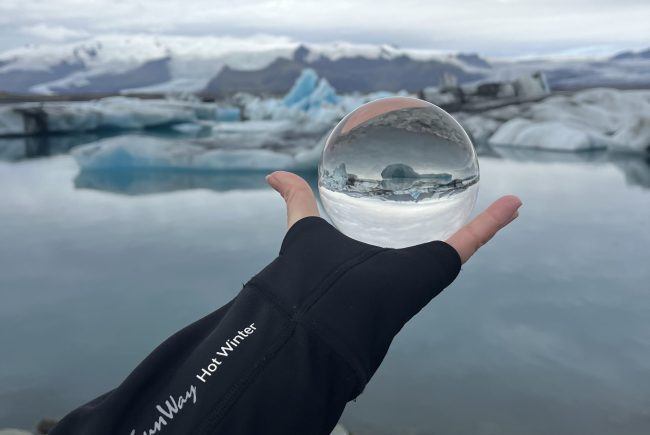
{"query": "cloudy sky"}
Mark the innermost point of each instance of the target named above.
(492, 27)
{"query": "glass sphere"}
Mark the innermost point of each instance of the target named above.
(398, 172)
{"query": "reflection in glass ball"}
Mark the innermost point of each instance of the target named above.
(398, 172)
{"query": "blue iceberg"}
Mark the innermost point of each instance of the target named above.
(309, 92)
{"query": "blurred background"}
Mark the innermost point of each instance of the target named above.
(134, 141)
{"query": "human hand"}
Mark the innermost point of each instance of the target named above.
(466, 241)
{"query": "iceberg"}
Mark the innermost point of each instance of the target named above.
(111, 113)
(278, 134)
(591, 119)
(478, 127)
(310, 92)
(310, 97)
(549, 135)
(11, 122)
(302, 87)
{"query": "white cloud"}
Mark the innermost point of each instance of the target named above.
(53, 32)
(488, 26)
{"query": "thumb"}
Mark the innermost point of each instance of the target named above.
(296, 193)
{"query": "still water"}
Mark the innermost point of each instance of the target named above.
(545, 331)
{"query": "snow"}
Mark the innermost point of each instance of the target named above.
(192, 61)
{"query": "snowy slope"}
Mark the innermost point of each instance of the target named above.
(144, 63)
(148, 63)
(183, 63)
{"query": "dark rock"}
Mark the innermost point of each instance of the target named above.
(19, 81)
(347, 74)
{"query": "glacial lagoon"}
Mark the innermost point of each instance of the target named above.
(546, 330)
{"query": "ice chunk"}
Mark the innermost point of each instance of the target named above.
(531, 86)
(552, 135)
(324, 93)
(622, 117)
(228, 114)
(302, 88)
(107, 114)
(590, 119)
(310, 100)
(478, 127)
(11, 122)
(193, 129)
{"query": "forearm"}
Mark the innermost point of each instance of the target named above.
(300, 340)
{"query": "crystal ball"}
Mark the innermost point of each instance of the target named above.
(398, 172)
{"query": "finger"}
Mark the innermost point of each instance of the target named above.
(479, 231)
(296, 193)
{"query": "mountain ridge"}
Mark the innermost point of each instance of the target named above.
(150, 64)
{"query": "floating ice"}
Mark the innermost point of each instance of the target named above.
(302, 87)
(549, 135)
(398, 172)
(112, 113)
(590, 119)
(310, 92)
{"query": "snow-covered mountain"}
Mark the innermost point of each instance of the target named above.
(145, 63)
(220, 65)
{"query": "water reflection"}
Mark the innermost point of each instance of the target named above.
(142, 182)
(43, 145)
(635, 167)
(545, 332)
(19, 148)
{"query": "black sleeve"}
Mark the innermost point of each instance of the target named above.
(300, 340)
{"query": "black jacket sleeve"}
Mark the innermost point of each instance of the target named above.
(300, 340)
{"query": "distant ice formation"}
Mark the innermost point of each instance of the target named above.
(119, 113)
(279, 134)
(310, 92)
(585, 120)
